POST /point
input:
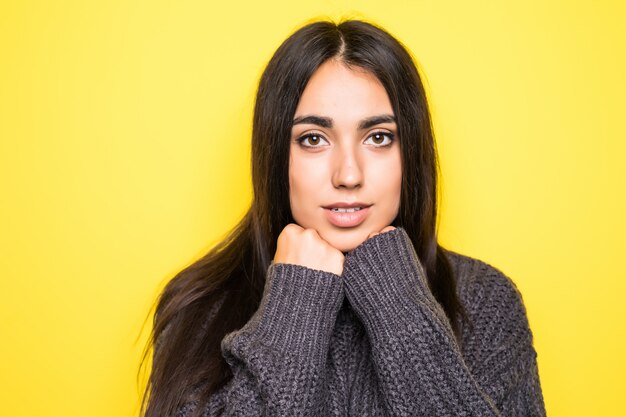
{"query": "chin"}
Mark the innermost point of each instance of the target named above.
(346, 240)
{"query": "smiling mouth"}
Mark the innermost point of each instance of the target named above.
(346, 216)
(346, 210)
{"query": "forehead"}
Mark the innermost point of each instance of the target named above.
(340, 91)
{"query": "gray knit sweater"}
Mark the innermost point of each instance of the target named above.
(374, 342)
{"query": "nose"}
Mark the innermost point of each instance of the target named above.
(347, 170)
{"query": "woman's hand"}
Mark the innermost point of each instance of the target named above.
(386, 229)
(305, 247)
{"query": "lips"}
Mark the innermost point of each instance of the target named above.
(340, 215)
(347, 205)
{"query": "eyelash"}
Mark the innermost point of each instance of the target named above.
(390, 135)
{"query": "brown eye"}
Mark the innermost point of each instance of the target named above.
(379, 138)
(313, 141)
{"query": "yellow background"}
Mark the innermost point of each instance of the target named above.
(124, 156)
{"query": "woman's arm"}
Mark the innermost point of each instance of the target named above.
(420, 368)
(278, 357)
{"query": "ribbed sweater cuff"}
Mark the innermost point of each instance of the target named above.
(297, 312)
(386, 283)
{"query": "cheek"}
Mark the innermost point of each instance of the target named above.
(304, 186)
(391, 182)
(392, 188)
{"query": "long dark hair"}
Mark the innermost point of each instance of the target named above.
(220, 292)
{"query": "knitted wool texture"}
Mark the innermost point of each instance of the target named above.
(375, 342)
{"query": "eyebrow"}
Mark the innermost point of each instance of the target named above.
(327, 122)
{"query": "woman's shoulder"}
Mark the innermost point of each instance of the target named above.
(496, 332)
(483, 286)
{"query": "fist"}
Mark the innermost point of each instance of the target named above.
(386, 229)
(305, 247)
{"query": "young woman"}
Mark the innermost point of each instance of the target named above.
(332, 296)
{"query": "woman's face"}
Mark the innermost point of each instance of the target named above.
(344, 151)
